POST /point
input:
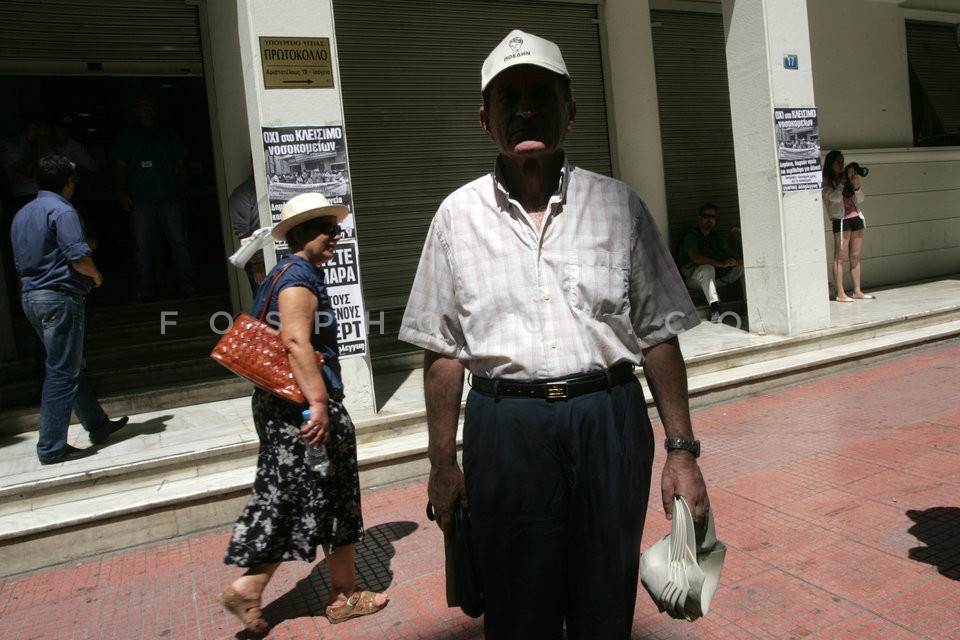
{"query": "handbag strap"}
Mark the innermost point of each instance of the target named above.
(273, 285)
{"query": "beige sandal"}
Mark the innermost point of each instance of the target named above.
(248, 611)
(361, 603)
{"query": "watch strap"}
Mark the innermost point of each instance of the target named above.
(673, 444)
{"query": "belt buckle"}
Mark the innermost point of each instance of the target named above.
(556, 390)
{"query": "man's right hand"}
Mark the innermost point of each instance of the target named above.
(445, 489)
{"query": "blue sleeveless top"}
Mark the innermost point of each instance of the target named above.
(324, 338)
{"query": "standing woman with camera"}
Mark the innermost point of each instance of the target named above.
(841, 202)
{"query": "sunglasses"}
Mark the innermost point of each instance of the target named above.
(708, 215)
(326, 228)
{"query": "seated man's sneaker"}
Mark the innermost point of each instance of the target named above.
(715, 317)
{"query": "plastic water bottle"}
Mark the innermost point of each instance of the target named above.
(317, 457)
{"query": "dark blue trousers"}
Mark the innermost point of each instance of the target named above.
(558, 495)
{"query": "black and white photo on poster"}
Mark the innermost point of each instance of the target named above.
(307, 160)
(798, 148)
(313, 159)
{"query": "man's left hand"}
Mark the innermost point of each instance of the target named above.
(682, 477)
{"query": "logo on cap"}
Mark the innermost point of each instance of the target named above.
(516, 43)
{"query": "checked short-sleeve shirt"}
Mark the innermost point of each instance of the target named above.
(590, 289)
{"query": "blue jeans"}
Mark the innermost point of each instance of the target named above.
(149, 217)
(59, 320)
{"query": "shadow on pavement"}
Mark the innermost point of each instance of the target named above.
(309, 597)
(153, 426)
(9, 441)
(939, 529)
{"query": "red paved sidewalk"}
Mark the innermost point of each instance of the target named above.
(839, 500)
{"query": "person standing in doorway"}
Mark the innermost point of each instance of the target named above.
(20, 155)
(245, 219)
(150, 175)
(557, 445)
(57, 272)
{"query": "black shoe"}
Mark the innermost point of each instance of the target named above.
(102, 434)
(66, 454)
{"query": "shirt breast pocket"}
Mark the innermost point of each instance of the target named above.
(597, 282)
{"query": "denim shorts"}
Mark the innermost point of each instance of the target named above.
(849, 224)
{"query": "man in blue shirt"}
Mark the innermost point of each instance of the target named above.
(57, 271)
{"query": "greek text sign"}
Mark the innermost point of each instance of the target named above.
(296, 63)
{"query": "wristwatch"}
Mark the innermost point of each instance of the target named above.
(672, 444)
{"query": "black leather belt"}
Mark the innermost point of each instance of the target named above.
(560, 388)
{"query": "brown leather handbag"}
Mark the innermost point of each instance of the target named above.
(252, 349)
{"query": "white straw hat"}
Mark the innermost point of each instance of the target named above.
(306, 206)
(522, 48)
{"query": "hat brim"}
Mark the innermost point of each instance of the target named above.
(560, 71)
(280, 231)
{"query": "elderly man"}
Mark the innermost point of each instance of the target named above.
(550, 283)
(57, 271)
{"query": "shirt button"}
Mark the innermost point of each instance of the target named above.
(553, 345)
(546, 296)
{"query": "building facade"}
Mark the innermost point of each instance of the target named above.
(679, 98)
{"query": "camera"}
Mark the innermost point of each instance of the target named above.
(861, 171)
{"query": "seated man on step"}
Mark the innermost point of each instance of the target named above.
(709, 259)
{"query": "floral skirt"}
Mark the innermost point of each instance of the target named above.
(292, 510)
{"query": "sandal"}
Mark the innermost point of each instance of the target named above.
(248, 611)
(361, 603)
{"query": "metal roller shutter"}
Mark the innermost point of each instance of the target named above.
(63, 37)
(410, 78)
(934, 56)
(695, 124)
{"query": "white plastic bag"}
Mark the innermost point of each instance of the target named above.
(680, 575)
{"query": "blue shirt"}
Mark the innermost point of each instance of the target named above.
(151, 156)
(47, 236)
(324, 338)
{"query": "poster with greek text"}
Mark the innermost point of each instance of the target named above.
(798, 148)
(314, 160)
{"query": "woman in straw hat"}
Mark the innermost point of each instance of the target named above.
(293, 510)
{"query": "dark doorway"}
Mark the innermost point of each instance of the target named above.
(95, 109)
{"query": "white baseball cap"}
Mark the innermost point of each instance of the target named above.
(522, 48)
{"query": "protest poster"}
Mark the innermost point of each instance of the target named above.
(313, 159)
(798, 148)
